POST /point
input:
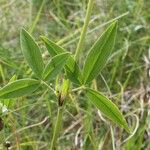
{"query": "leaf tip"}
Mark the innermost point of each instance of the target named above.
(126, 127)
(42, 37)
(23, 30)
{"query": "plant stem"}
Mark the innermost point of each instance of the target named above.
(37, 17)
(16, 135)
(49, 87)
(57, 127)
(112, 137)
(66, 83)
(78, 88)
(84, 29)
(31, 7)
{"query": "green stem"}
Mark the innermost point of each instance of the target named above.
(112, 137)
(57, 127)
(37, 17)
(48, 86)
(84, 29)
(31, 7)
(66, 83)
(78, 88)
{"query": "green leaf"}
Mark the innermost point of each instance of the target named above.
(31, 52)
(72, 68)
(55, 66)
(8, 102)
(52, 47)
(99, 53)
(5, 58)
(19, 88)
(13, 78)
(73, 72)
(107, 107)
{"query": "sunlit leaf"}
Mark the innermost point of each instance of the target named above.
(99, 53)
(31, 52)
(55, 66)
(107, 107)
(8, 102)
(5, 58)
(72, 68)
(19, 88)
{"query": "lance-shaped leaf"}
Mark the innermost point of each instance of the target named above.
(8, 102)
(99, 53)
(31, 52)
(72, 68)
(52, 47)
(107, 107)
(19, 88)
(55, 66)
(6, 59)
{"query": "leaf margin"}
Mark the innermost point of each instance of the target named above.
(122, 122)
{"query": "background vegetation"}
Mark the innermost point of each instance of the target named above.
(125, 79)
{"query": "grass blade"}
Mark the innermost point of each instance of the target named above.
(31, 52)
(107, 107)
(99, 53)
